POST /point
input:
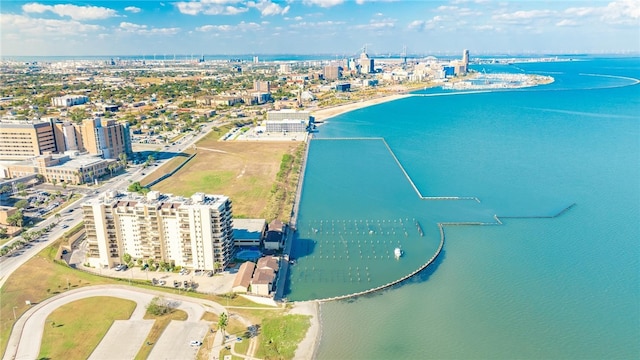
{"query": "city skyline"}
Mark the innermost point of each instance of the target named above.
(338, 27)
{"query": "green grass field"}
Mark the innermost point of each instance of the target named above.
(69, 336)
(280, 337)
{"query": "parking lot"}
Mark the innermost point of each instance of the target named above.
(220, 283)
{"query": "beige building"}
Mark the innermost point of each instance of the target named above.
(22, 139)
(64, 169)
(5, 213)
(107, 138)
(257, 278)
(194, 233)
(242, 281)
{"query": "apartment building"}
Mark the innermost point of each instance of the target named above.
(194, 232)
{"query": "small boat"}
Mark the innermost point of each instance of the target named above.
(397, 253)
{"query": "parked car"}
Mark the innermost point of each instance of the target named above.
(196, 343)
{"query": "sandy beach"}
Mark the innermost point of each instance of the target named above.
(324, 114)
(307, 346)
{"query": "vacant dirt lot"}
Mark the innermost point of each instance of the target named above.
(244, 171)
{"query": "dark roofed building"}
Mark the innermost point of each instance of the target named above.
(276, 233)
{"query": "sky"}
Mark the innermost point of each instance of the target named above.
(335, 27)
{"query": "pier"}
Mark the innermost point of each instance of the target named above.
(364, 237)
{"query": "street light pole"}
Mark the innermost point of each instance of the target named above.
(14, 314)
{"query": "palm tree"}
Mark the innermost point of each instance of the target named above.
(54, 181)
(223, 321)
(123, 159)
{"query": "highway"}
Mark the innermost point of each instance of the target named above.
(9, 264)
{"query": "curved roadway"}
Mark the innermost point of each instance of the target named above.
(26, 336)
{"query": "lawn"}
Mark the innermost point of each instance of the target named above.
(38, 279)
(243, 171)
(68, 336)
(280, 337)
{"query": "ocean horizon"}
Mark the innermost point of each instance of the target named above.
(535, 286)
(287, 57)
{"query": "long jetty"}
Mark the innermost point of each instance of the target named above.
(282, 274)
(438, 251)
(406, 174)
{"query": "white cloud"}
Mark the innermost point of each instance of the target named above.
(72, 11)
(421, 25)
(523, 15)
(210, 7)
(132, 9)
(615, 12)
(268, 8)
(25, 25)
(315, 25)
(377, 24)
(581, 11)
(242, 26)
(566, 22)
(208, 28)
(485, 28)
(323, 3)
(416, 25)
(145, 30)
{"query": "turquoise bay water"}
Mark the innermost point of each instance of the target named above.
(564, 287)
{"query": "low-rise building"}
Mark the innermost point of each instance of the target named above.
(257, 278)
(242, 281)
(276, 234)
(248, 232)
(69, 100)
(64, 168)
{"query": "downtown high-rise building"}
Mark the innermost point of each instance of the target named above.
(195, 232)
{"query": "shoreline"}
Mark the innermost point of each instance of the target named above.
(327, 113)
(308, 346)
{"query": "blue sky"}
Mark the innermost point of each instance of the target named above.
(338, 27)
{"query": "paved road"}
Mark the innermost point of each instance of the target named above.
(10, 264)
(26, 336)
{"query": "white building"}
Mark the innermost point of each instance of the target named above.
(194, 233)
(69, 100)
(297, 126)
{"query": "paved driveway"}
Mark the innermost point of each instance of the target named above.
(176, 338)
(123, 341)
(33, 321)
